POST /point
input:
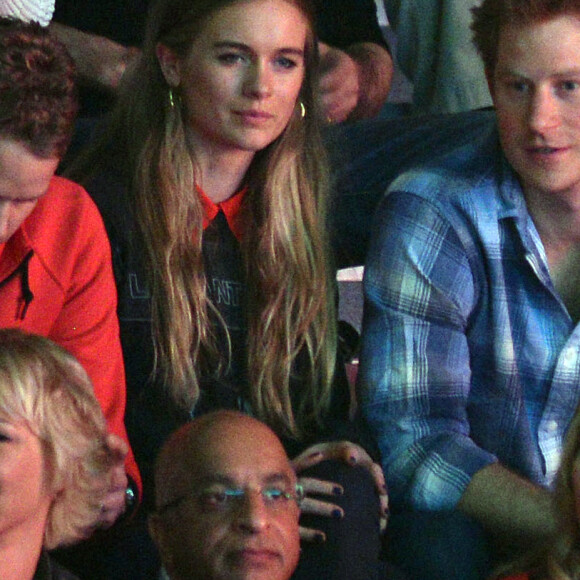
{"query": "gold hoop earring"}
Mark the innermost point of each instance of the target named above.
(302, 110)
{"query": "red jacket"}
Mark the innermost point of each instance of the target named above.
(56, 280)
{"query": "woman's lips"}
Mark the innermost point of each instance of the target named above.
(252, 117)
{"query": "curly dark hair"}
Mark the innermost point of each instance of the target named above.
(492, 15)
(38, 101)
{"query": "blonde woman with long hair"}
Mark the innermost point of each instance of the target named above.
(212, 182)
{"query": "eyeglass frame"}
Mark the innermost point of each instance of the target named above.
(235, 494)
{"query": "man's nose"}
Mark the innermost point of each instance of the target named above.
(543, 110)
(253, 514)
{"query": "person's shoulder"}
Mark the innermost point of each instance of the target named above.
(471, 162)
(65, 202)
(49, 569)
(64, 220)
(65, 187)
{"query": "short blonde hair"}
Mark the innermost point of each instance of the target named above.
(47, 388)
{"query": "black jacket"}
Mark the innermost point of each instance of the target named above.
(48, 569)
(151, 415)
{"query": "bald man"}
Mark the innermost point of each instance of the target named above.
(227, 502)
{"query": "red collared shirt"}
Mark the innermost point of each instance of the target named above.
(230, 207)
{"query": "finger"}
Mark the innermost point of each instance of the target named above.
(112, 506)
(329, 84)
(311, 535)
(346, 451)
(328, 109)
(318, 507)
(341, 105)
(337, 104)
(384, 503)
(118, 478)
(321, 452)
(379, 478)
(383, 523)
(351, 453)
(117, 445)
(320, 487)
(384, 507)
(323, 50)
(311, 456)
(354, 454)
(380, 484)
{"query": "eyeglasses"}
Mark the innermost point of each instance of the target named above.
(224, 499)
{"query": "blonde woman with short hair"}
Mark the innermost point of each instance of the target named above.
(54, 456)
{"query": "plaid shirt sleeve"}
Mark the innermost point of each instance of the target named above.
(415, 373)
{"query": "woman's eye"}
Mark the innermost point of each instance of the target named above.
(287, 63)
(231, 58)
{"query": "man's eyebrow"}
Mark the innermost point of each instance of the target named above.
(213, 479)
(571, 72)
(510, 72)
(232, 44)
(280, 477)
(222, 479)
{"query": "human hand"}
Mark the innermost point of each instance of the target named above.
(339, 83)
(351, 454)
(99, 61)
(113, 64)
(113, 504)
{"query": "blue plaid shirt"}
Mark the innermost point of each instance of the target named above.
(468, 356)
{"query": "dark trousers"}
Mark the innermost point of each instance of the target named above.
(438, 546)
(353, 545)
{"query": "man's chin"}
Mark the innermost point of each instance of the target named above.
(255, 564)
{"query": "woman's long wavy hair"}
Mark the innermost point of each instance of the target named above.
(563, 555)
(290, 294)
(559, 558)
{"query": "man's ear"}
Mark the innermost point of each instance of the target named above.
(155, 528)
(169, 64)
(157, 531)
